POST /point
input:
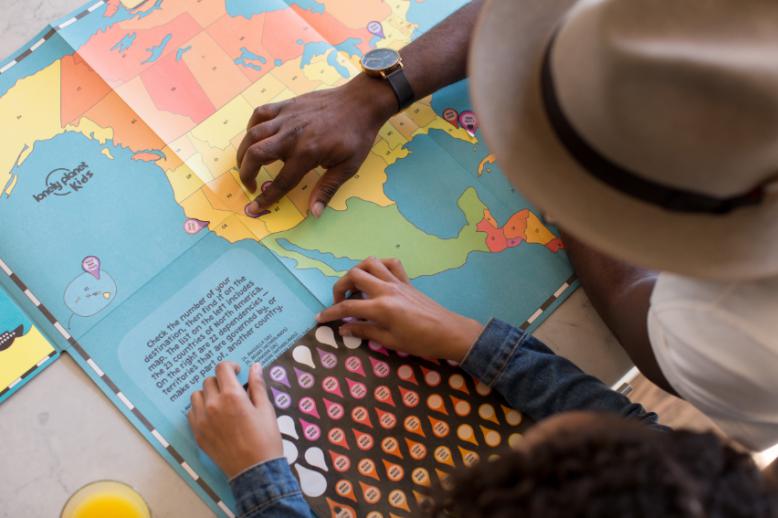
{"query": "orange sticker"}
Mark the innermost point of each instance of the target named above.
(421, 477)
(410, 398)
(371, 494)
(468, 457)
(435, 402)
(394, 472)
(431, 378)
(398, 499)
(462, 407)
(417, 450)
(440, 428)
(361, 416)
(487, 413)
(413, 425)
(364, 440)
(338, 437)
(340, 462)
(405, 373)
(482, 388)
(457, 382)
(387, 420)
(391, 446)
(491, 437)
(443, 455)
(366, 468)
(338, 510)
(466, 433)
(345, 489)
(383, 395)
(512, 417)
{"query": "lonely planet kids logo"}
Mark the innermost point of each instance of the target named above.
(63, 182)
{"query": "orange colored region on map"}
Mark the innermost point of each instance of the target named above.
(81, 89)
(522, 227)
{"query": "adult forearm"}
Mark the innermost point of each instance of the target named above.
(436, 59)
(621, 294)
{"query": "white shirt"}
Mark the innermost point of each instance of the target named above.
(717, 345)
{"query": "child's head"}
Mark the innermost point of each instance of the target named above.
(586, 464)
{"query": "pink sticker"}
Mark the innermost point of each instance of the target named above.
(91, 265)
(305, 379)
(278, 374)
(380, 349)
(356, 389)
(331, 385)
(310, 431)
(354, 365)
(328, 360)
(308, 406)
(334, 410)
(380, 368)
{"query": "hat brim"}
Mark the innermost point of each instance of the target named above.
(505, 61)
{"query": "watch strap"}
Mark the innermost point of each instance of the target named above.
(402, 88)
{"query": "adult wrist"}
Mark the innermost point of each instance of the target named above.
(376, 95)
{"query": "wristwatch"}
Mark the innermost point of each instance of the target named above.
(387, 64)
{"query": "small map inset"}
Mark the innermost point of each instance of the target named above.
(92, 291)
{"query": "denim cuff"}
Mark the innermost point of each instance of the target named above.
(263, 485)
(492, 352)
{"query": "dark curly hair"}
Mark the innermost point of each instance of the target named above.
(627, 472)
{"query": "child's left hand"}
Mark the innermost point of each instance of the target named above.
(236, 429)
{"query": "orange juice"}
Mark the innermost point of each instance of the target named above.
(106, 499)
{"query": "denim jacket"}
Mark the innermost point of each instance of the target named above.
(518, 366)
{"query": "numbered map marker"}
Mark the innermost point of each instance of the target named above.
(91, 265)
(469, 121)
(452, 116)
(376, 29)
(193, 226)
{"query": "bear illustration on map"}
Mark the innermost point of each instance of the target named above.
(92, 291)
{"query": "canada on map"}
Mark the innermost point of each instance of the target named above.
(172, 83)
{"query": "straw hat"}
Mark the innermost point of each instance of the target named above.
(647, 129)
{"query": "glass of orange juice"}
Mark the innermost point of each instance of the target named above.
(106, 499)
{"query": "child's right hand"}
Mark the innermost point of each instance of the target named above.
(397, 315)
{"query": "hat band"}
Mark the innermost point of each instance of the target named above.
(622, 179)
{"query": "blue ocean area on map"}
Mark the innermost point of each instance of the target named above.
(250, 8)
(61, 44)
(156, 51)
(11, 316)
(108, 216)
(317, 48)
(246, 57)
(429, 13)
(125, 43)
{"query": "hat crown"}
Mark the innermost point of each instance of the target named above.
(681, 93)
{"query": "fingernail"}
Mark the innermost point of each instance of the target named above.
(344, 331)
(256, 370)
(318, 317)
(317, 209)
(253, 210)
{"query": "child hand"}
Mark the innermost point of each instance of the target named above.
(235, 428)
(397, 315)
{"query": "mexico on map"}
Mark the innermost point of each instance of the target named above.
(121, 205)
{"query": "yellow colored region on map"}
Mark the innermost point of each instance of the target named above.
(24, 354)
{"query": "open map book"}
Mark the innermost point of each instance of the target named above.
(122, 231)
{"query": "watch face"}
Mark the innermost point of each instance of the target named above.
(380, 59)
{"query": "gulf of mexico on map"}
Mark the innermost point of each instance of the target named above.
(121, 207)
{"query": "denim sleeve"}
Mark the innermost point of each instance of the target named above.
(269, 490)
(538, 382)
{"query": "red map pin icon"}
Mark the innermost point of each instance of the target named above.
(91, 265)
(469, 121)
(452, 116)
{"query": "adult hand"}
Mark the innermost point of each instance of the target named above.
(235, 428)
(334, 129)
(397, 315)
